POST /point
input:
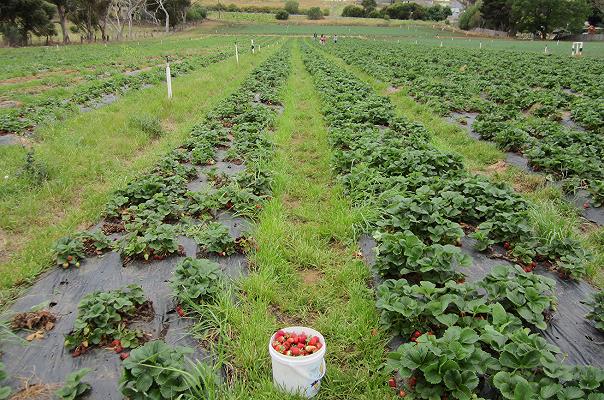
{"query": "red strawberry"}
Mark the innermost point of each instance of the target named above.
(412, 381)
(402, 393)
(180, 311)
(392, 383)
(280, 332)
(527, 269)
(318, 345)
(69, 258)
(124, 355)
(586, 204)
(533, 265)
(417, 334)
(313, 340)
(291, 340)
(506, 245)
(119, 349)
(116, 343)
(295, 351)
(301, 345)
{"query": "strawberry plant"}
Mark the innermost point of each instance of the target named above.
(243, 201)
(69, 251)
(213, 238)
(202, 204)
(450, 366)
(196, 281)
(203, 154)
(426, 308)
(527, 295)
(403, 253)
(103, 316)
(155, 371)
(95, 243)
(74, 388)
(158, 242)
(597, 312)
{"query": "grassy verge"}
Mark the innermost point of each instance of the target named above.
(91, 155)
(551, 214)
(305, 271)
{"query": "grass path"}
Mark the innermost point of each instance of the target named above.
(551, 214)
(305, 270)
(91, 155)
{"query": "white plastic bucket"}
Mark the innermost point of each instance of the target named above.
(299, 375)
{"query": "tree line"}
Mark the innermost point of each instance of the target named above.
(398, 10)
(539, 17)
(21, 18)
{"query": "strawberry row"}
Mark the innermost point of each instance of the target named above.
(24, 119)
(532, 114)
(461, 338)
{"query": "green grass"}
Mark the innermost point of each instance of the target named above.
(304, 271)
(551, 214)
(92, 154)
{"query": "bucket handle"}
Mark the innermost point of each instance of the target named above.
(324, 367)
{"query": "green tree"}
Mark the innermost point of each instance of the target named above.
(282, 15)
(368, 5)
(88, 15)
(353, 11)
(541, 17)
(19, 18)
(62, 12)
(471, 17)
(497, 14)
(314, 13)
(292, 7)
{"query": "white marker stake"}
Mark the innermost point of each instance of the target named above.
(480, 45)
(253, 50)
(236, 54)
(545, 49)
(441, 44)
(169, 79)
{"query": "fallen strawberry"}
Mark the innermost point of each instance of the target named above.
(402, 393)
(180, 311)
(118, 349)
(116, 343)
(392, 383)
(124, 355)
(586, 205)
(506, 245)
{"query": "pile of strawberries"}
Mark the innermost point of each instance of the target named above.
(296, 345)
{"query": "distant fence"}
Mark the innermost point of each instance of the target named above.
(584, 38)
(490, 32)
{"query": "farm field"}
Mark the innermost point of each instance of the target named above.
(434, 212)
